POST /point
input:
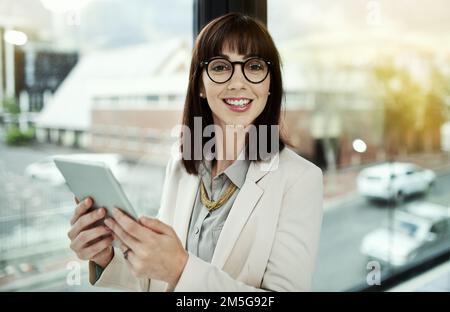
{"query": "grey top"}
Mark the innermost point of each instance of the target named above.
(205, 226)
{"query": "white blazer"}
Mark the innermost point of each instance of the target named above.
(269, 240)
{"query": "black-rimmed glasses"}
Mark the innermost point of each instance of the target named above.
(220, 70)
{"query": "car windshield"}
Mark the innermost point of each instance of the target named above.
(45, 161)
(407, 228)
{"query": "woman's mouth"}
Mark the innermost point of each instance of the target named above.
(238, 104)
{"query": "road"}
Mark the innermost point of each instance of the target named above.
(340, 265)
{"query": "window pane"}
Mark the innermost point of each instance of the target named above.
(104, 78)
(366, 95)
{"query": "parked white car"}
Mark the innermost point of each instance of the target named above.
(394, 181)
(46, 169)
(419, 230)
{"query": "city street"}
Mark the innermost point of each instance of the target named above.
(340, 265)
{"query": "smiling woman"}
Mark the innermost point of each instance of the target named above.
(226, 222)
(224, 95)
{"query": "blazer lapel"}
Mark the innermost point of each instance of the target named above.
(187, 189)
(241, 210)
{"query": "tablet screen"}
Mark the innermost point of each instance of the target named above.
(94, 179)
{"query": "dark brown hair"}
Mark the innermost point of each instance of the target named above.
(244, 35)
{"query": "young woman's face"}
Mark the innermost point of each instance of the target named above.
(226, 99)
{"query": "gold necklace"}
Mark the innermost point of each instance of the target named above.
(213, 205)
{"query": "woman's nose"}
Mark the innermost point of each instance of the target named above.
(238, 80)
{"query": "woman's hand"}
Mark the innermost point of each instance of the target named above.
(156, 251)
(89, 242)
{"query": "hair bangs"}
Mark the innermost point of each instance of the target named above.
(239, 35)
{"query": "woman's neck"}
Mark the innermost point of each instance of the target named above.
(228, 147)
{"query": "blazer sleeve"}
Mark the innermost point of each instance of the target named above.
(292, 259)
(117, 273)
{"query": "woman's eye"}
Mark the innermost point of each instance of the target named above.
(256, 67)
(220, 68)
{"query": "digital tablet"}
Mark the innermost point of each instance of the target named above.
(94, 179)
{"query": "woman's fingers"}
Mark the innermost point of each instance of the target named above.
(126, 251)
(81, 209)
(122, 246)
(102, 254)
(130, 226)
(87, 237)
(124, 237)
(89, 252)
(155, 225)
(86, 220)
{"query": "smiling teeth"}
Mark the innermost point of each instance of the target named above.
(242, 102)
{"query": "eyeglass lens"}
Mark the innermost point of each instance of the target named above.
(255, 70)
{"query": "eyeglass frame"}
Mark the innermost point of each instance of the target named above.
(233, 64)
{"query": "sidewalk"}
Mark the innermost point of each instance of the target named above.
(341, 185)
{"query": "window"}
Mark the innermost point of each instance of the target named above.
(439, 228)
(365, 89)
(350, 76)
(82, 84)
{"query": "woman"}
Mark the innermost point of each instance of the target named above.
(230, 219)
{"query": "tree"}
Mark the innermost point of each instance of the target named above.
(413, 111)
(434, 113)
(11, 106)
